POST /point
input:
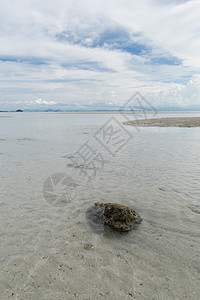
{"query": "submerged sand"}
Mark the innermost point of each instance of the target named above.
(57, 253)
(166, 122)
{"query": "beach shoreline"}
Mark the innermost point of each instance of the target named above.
(166, 122)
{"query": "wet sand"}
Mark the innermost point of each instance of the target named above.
(166, 122)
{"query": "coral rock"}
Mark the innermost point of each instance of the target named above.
(117, 216)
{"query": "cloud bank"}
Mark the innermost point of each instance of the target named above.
(58, 53)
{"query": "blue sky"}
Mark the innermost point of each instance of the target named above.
(57, 53)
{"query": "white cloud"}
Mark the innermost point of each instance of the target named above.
(60, 34)
(188, 95)
(40, 101)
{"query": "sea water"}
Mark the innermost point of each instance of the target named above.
(55, 166)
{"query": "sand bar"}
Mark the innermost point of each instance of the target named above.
(166, 122)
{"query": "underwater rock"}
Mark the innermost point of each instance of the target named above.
(117, 216)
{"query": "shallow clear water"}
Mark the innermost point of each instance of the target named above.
(49, 247)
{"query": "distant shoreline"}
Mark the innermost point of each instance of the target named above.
(107, 112)
(93, 112)
(166, 122)
(118, 112)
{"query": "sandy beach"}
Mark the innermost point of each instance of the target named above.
(167, 122)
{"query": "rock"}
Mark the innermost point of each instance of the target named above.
(117, 216)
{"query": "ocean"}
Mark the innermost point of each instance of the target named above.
(55, 166)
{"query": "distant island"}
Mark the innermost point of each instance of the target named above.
(19, 110)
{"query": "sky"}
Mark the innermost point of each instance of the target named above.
(63, 54)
